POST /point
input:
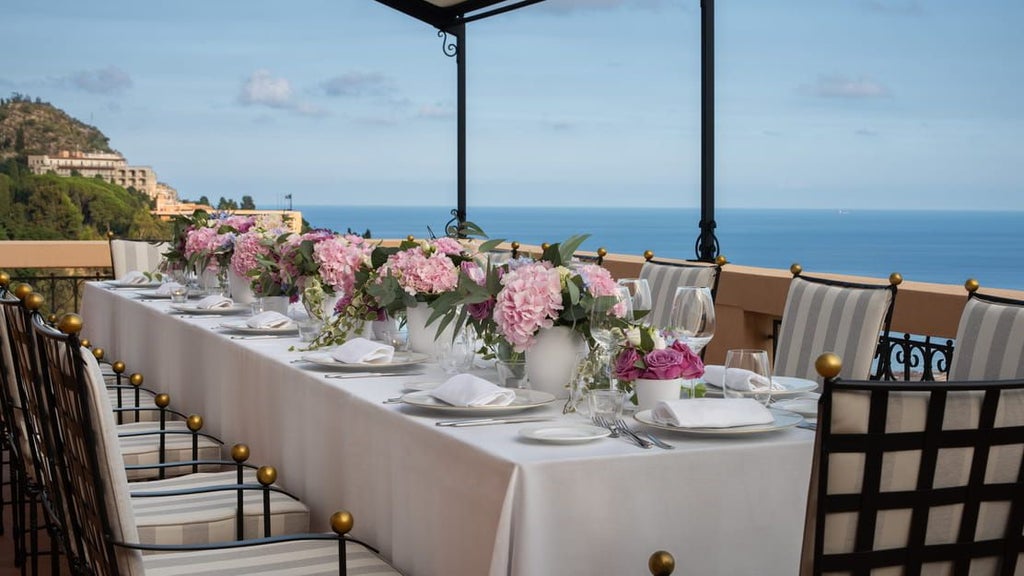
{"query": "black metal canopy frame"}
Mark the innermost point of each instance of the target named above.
(450, 18)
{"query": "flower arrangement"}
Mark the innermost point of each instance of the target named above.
(644, 354)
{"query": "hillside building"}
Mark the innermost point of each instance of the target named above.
(112, 167)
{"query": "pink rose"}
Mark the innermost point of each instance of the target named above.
(663, 364)
(625, 364)
(693, 366)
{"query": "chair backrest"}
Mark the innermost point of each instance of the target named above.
(135, 255)
(664, 277)
(989, 338)
(831, 316)
(89, 468)
(917, 478)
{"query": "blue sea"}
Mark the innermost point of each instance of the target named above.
(927, 246)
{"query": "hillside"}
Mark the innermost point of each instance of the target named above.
(36, 127)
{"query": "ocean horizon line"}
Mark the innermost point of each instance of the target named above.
(448, 207)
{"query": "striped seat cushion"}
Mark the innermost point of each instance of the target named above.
(137, 450)
(663, 280)
(989, 342)
(825, 318)
(209, 517)
(135, 255)
(149, 414)
(305, 558)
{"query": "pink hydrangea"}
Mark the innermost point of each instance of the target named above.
(418, 273)
(202, 241)
(247, 247)
(599, 282)
(530, 299)
(339, 258)
(240, 223)
(448, 246)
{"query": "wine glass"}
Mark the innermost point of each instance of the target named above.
(747, 373)
(607, 318)
(692, 320)
(639, 291)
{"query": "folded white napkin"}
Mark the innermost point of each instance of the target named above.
(738, 379)
(214, 301)
(268, 319)
(133, 277)
(469, 390)
(167, 288)
(363, 351)
(711, 413)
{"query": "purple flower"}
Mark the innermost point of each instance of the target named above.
(693, 366)
(663, 364)
(625, 364)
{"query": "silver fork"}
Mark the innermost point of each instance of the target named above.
(600, 421)
(653, 439)
(621, 425)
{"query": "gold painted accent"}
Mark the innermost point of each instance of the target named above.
(98, 353)
(118, 367)
(110, 234)
(648, 255)
(410, 238)
(828, 365)
(162, 400)
(721, 260)
(239, 453)
(895, 278)
(796, 269)
(602, 252)
(194, 422)
(84, 342)
(972, 285)
(5, 279)
(135, 379)
(34, 301)
(515, 245)
(266, 475)
(342, 522)
(52, 319)
(545, 246)
(661, 563)
(70, 324)
(22, 290)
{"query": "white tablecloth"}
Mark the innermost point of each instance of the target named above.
(472, 501)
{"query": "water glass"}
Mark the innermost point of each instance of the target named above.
(456, 355)
(747, 374)
(692, 320)
(606, 403)
(638, 291)
(309, 328)
(512, 374)
(179, 294)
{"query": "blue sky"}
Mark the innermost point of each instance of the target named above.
(834, 104)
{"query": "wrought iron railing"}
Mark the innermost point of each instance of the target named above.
(914, 357)
(63, 292)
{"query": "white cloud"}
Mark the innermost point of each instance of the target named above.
(847, 87)
(357, 84)
(109, 80)
(435, 111)
(264, 90)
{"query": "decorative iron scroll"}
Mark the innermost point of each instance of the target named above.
(449, 47)
(453, 229)
(911, 357)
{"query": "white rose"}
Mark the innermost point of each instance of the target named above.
(659, 340)
(633, 336)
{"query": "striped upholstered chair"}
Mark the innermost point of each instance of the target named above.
(135, 255)
(665, 276)
(989, 338)
(93, 493)
(916, 478)
(824, 315)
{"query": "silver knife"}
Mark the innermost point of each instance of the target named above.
(489, 421)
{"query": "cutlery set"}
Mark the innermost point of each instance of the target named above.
(490, 421)
(619, 428)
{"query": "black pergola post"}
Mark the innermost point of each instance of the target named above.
(707, 243)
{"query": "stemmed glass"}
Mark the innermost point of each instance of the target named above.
(639, 292)
(747, 373)
(692, 320)
(607, 318)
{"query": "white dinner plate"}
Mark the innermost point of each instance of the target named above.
(153, 294)
(142, 285)
(524, 400)
(243, 328)
(790, 387)
(194, 309)
(806, 407)
(400, 359)
(563, 433)
(783, 420)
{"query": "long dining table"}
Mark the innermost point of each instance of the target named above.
(469, 500)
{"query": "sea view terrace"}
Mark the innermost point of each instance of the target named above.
(748, 305)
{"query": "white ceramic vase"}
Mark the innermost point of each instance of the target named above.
(650, 392)
(423, 338)
(552, 361)
(240, 288)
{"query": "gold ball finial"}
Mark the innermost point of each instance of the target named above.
(410, 238)
(648, 255)
(828, 365)
(118, 367)
(661, 563)
(239, 453)
(515, 245)
(266, 475)
(52, 319)
(34, 301)
(22, 290)
(162, 400)
(70, 324)
(972, 285)
(136, 379)
(796, 269)
(602, 252)
(895, 278)
(721, 260)
(110, 234)
(98, 353)
(194, 422)
(5, 279)
(342, 522)
(85, 342)
(545, 246)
